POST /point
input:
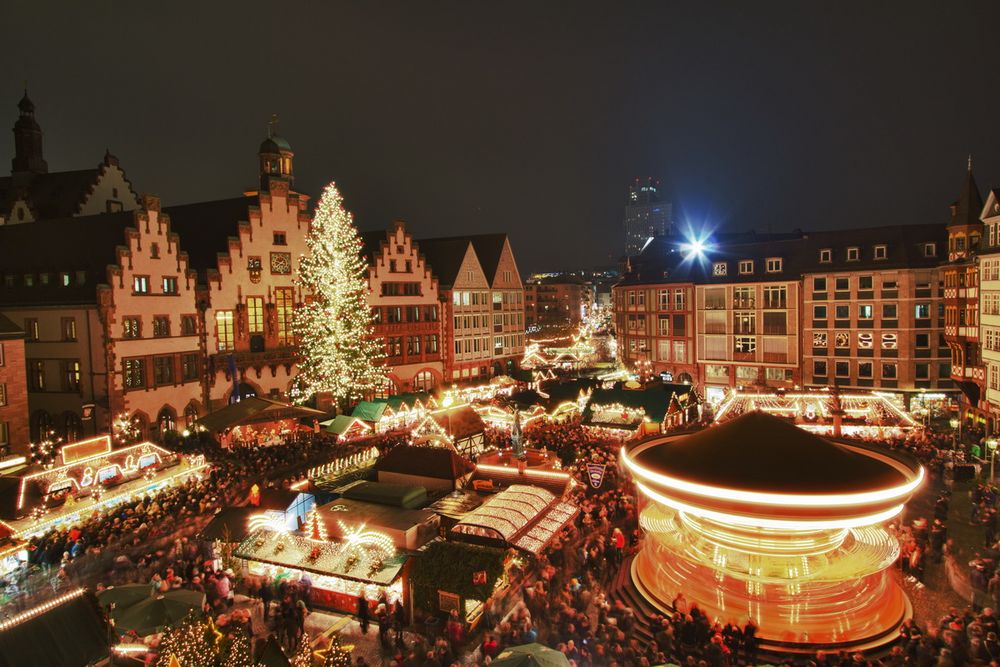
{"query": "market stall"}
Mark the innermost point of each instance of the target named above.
(90, 474)
(257, 421)
(347, 548)
(525, 517)
(824, 412)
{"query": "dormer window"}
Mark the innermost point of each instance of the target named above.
(930, 249)
(746, 266)
(881, 252)
(719, 269)
(774, 264)
(853, 254)
(825, 256)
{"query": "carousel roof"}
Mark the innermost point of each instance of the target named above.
(767, 454)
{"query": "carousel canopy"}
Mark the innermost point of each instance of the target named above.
(253, 410)
(762, 453)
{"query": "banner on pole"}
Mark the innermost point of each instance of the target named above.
(595, 472)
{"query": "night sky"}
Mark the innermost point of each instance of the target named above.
(469, 117)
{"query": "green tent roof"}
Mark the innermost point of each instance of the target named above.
(341, 423)
(368, 411)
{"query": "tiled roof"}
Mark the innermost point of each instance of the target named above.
(666, 260)
(206, 227)
(444, 256)
(8, 329)
(488, 247)
(52, 195)
(84, 243)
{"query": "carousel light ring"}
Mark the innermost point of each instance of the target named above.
(760, 518)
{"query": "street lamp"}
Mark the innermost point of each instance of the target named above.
(954, 432)
(991, 445)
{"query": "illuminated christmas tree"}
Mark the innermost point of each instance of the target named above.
(239, 652)
(337, 655)
(304, 655)
(187, 646)
(340, 355)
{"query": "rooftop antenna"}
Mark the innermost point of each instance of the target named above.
(970, 162)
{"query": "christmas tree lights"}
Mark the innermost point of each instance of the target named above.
(339, 353)
(304, 655)
(337, 655)
(239, 652)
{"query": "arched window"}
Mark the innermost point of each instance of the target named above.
(72, 427)
(166, 420)
(190, 415)
(423, 381)
(387, 389)
(41, 426)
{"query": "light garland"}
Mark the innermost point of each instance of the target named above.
(761, 522)
(340, 353)
(315, 528)
(17, 619)
(778, 499)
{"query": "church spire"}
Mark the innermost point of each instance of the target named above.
(27, 140)
(970, 203)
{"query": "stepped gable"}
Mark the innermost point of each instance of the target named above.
(766, 454)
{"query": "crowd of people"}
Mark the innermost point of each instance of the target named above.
(569, 599)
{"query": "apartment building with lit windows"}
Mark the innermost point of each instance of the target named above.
(556, 301)
(747, 316)
(873, 311)
(989, 303)
(961, 301)
(466, 306)
(863, 309)
(654, 314)
(406, 308)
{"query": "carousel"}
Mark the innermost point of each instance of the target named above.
(757, 518)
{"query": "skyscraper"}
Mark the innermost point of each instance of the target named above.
(645, 214)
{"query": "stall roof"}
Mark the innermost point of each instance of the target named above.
(369, 411)
(253, 410)
(70, 633)
(405, 496)
(434, 462)
(374, 515)
(508, 512)
(457, 504)
(341, 424)
(461, 421)
(295, 552)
